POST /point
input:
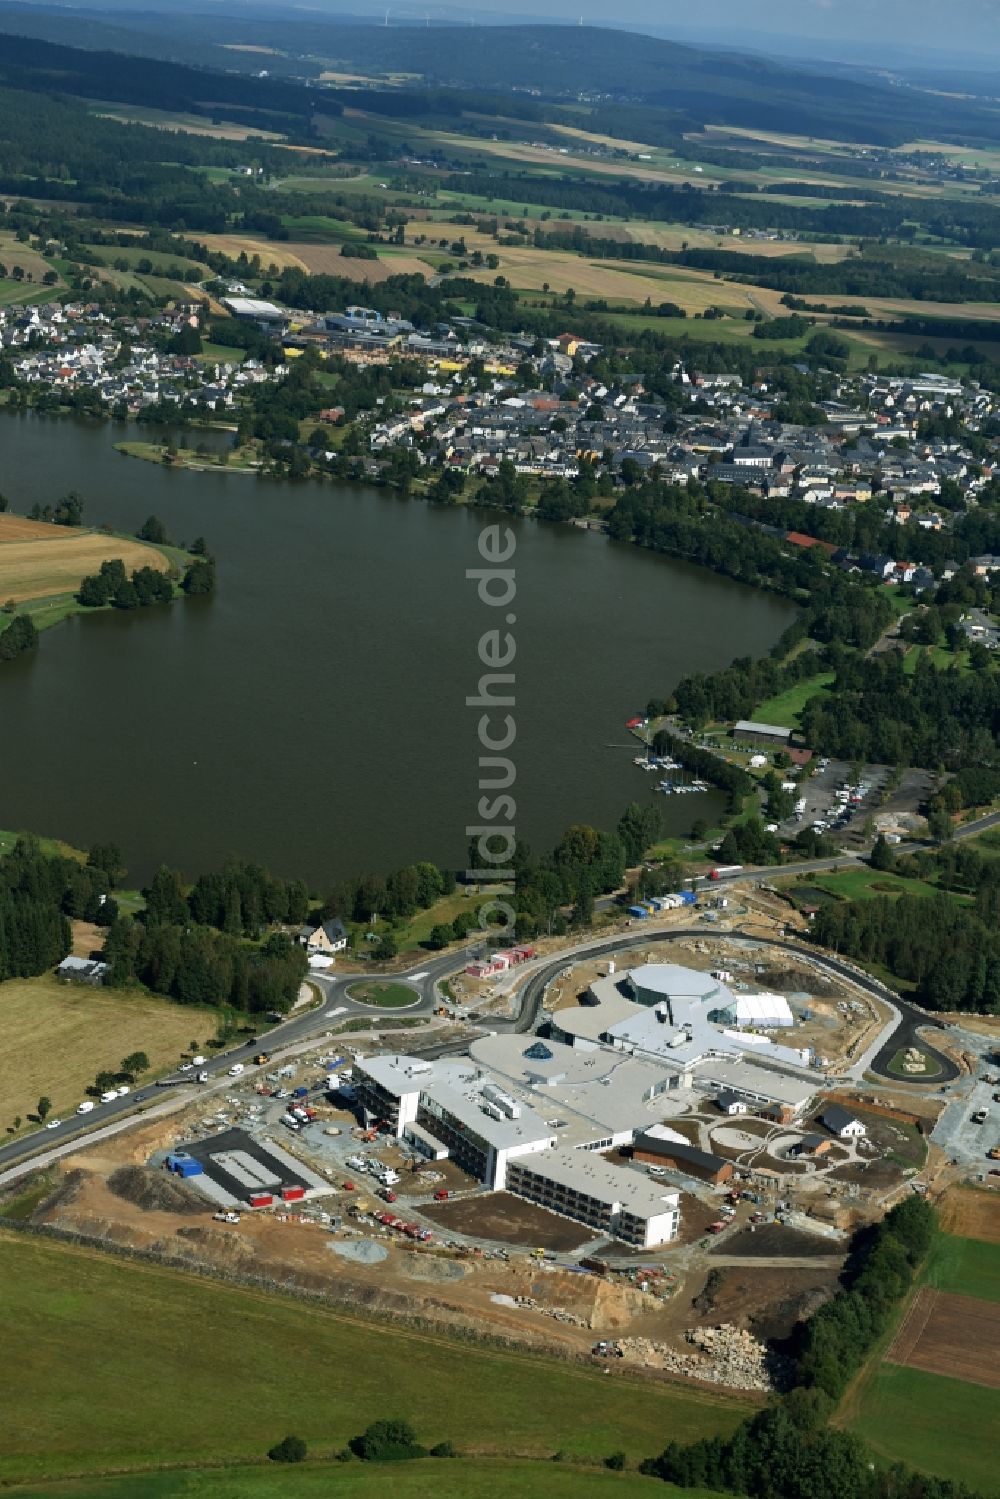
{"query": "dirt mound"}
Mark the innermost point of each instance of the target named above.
(64, 1194)
(791, 980)
(154, 1191)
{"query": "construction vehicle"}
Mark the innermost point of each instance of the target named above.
(261, 1059)
(994, 1154)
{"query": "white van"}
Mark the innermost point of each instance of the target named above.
(86, 1106)
(110, 1096)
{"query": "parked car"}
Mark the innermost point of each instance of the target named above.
(236, 1069)
(349, 1187)
(441, 1195)
(52, 1123)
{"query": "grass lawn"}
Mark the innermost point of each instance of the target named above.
(55, 1036)
(428, 1479)
(442, 912)
(869, 884)
(386, 996)
(784, 710)
(125, 1364)
(221, 353)
(933, 1423)
(968, 1267)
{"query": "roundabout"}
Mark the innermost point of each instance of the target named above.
(388, 994)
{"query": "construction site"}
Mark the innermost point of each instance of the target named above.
(644, 1204)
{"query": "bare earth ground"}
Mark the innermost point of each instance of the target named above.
(508, 1220)
(971, 1214)
(109, 1193)
(951, 1335)
(54, 559)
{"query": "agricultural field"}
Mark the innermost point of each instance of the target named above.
(327, 260)
(530, 269)
(188, 124)
(55, 1036)
(426, 1479)
(970, 1267)
(53, 559)
(971, 1213)
(932, 1396)
(951, 1335)
(206, 1365)
(930, 1422)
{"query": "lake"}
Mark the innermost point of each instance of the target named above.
(311, 713)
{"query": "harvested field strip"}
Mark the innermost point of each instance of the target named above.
(204, 1366)
(55, 1036)
(56, 562)
(971, 1213)
(951, 1335)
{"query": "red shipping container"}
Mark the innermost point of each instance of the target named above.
(293, 1194)
(261, 1199)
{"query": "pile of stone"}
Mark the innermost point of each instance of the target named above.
(726, 1355)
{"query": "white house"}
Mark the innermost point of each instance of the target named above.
(326, 938)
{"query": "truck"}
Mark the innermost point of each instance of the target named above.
(723, 871)
(980, 1116)
(716, 1228)
(260, 1060)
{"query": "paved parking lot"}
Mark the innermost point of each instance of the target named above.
(822, 804)
(955, 1132)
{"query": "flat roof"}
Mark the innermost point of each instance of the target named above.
(584, 1093)
(749, 1078)
(459, 1090)
(586, 1171)
(398, 1074)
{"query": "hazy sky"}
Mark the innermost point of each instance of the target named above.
(970, 26)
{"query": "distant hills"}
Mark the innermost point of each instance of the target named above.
(690, 86)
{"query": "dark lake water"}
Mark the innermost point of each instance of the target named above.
(312, 712)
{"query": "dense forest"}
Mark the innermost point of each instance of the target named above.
(874, 711)
(946, 946)
(35, 892)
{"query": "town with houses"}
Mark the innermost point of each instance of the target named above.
(866, 450)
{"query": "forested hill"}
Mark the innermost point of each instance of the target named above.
(598, 66)
(43, 67)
